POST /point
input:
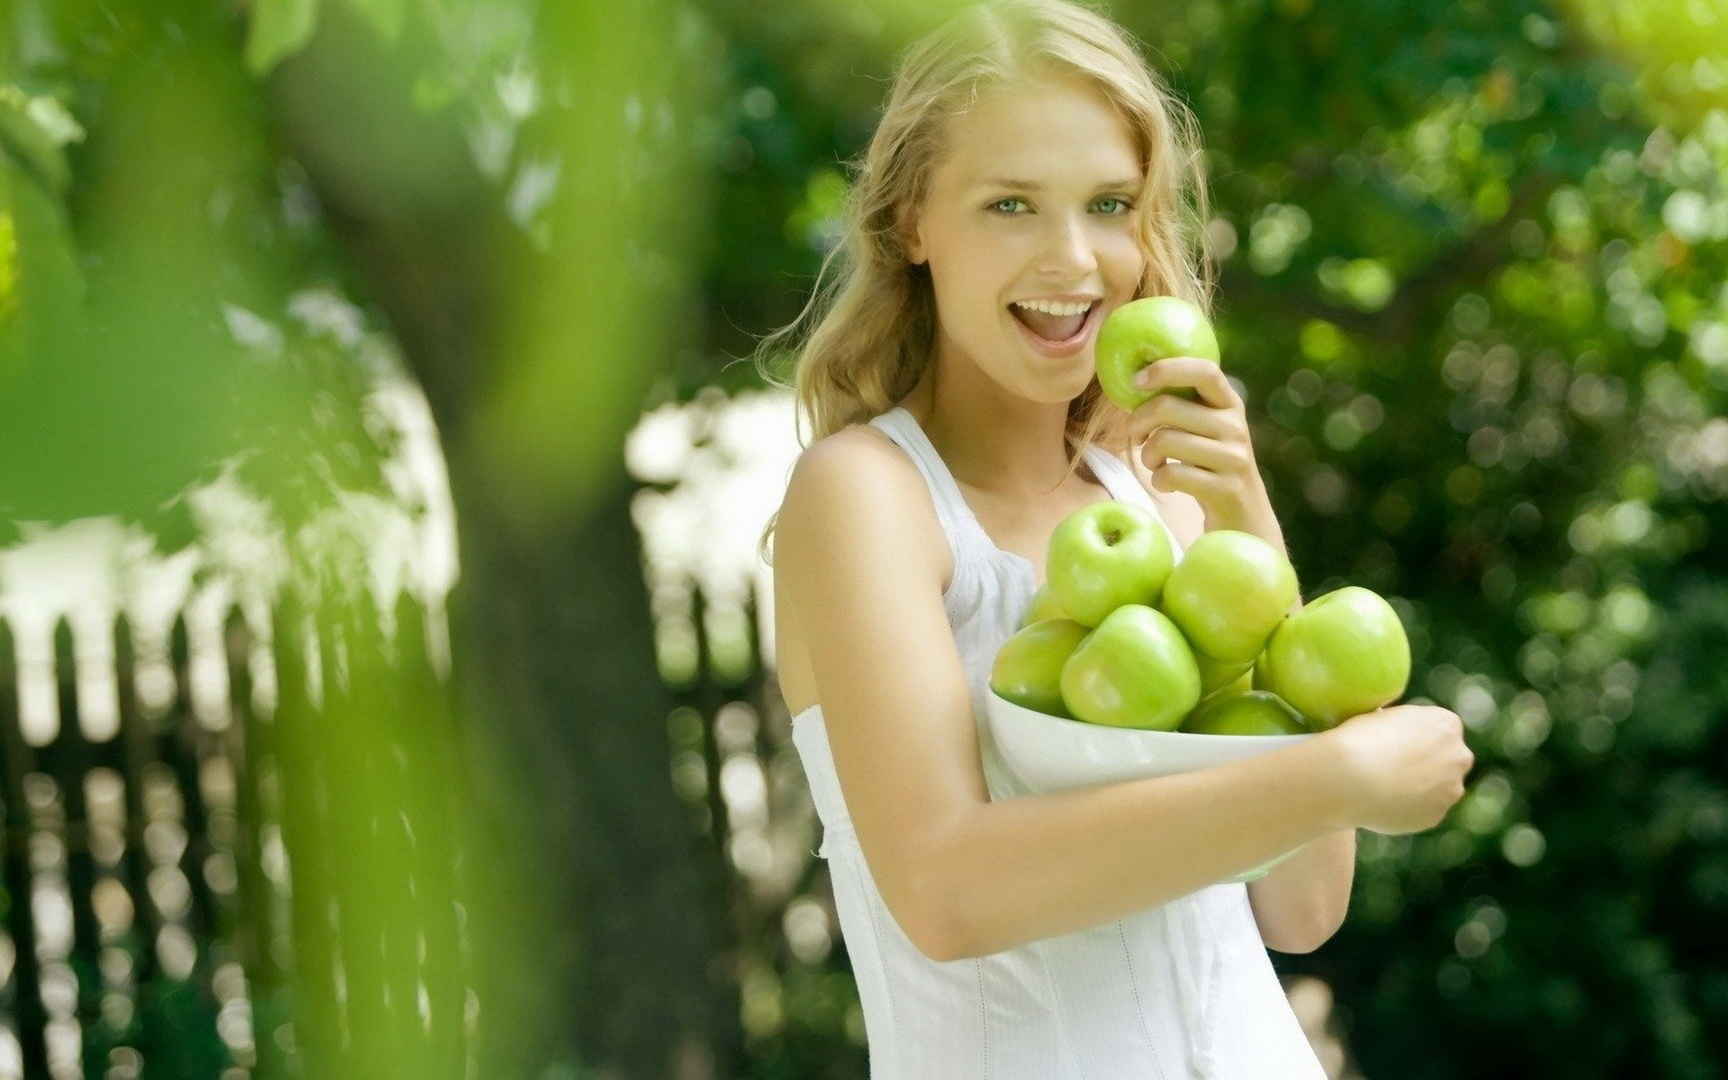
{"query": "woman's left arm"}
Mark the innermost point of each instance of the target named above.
(1302, 901)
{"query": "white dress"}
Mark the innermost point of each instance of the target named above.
(1182, 990)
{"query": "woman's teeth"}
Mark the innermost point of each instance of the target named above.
(1052, 307)
(1051, 320)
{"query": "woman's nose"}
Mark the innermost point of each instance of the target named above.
(1069, 247)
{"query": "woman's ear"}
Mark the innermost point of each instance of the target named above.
(912, 237)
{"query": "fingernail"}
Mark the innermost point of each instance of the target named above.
(1144, 379)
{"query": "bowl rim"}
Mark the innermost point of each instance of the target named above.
(1127, 734)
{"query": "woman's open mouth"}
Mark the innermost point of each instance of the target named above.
(1077, 338)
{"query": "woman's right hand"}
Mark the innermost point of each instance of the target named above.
(1405, 766)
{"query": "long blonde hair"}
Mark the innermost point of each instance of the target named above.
(874, 317)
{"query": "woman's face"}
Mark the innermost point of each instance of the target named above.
(991, 242)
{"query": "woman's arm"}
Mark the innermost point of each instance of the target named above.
(1036, 867)
(1302, 901)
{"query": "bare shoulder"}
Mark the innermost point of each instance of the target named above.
(860, 471)
(859, 446)
(863, 582)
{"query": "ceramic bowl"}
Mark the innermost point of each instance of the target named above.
(1052, 753)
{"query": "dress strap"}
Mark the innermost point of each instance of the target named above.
(958, 520)
(956, 516)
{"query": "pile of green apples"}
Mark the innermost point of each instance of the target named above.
(1121, 634)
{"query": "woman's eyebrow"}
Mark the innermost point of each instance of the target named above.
(1033, 185)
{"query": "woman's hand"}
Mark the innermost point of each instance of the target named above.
(1405, 766)
(1209, 440)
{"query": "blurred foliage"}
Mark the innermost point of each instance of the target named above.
(1677, 50)
(165, 323)
(1473, 263)
(209, 217)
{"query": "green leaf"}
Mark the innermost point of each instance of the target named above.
(279, 29)
(385, 16)
(35, 150)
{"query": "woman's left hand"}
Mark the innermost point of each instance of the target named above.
(1209, 440)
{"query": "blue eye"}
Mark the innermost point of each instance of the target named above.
(1124, 203)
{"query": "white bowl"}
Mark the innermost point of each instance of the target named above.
(1052, 753)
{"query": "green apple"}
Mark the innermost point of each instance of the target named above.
(1219, 676)
(1028, 667)
(1253, 712)
(1142, 332)
(1134, 671)
(1342, 654)
(1043, 606)
(1105, 555)
(1228, 594)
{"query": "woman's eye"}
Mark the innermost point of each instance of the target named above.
(1124, 204)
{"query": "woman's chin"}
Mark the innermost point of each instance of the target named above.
(1058, 383)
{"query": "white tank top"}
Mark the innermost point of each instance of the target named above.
(1182, 990)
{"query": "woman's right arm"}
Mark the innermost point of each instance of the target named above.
(862, 557)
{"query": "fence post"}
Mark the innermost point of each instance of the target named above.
(20, 760)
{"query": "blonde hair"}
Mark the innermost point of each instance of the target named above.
(875, 323)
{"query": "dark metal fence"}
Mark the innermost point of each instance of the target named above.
(265, 883)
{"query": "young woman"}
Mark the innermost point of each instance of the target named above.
(1029, 174)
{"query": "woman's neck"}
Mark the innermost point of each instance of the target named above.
(1010, 448)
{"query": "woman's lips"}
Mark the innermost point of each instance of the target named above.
(1070, 345)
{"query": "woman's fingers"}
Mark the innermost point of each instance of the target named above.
(1211, 454)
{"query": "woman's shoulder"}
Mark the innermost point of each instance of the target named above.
(858, 449)
(857, 478)
(862, 471)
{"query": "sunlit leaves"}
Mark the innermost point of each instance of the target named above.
(1277, 231)
(41, 296)
(1569, 214)
(386, 16)
(1364, 283)
(1344, 428)
(1549, 290)
(1678, 50)
(8, 267)
(279, 28)
(1523, 845)
(1619, 619)
(1484, 809)
(1323, 343)
(815, 221)
(34, 131)
(582, 336)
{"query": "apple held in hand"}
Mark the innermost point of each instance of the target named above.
(1134, 671)
(1228, 594)
(1043, 606)
(1028, 668)
(1251, 712)
(1106, 555)
(1342, 654)
(1142, 332)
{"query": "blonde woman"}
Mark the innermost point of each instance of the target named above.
(1029, 174)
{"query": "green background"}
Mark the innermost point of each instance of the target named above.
(1474, 285)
